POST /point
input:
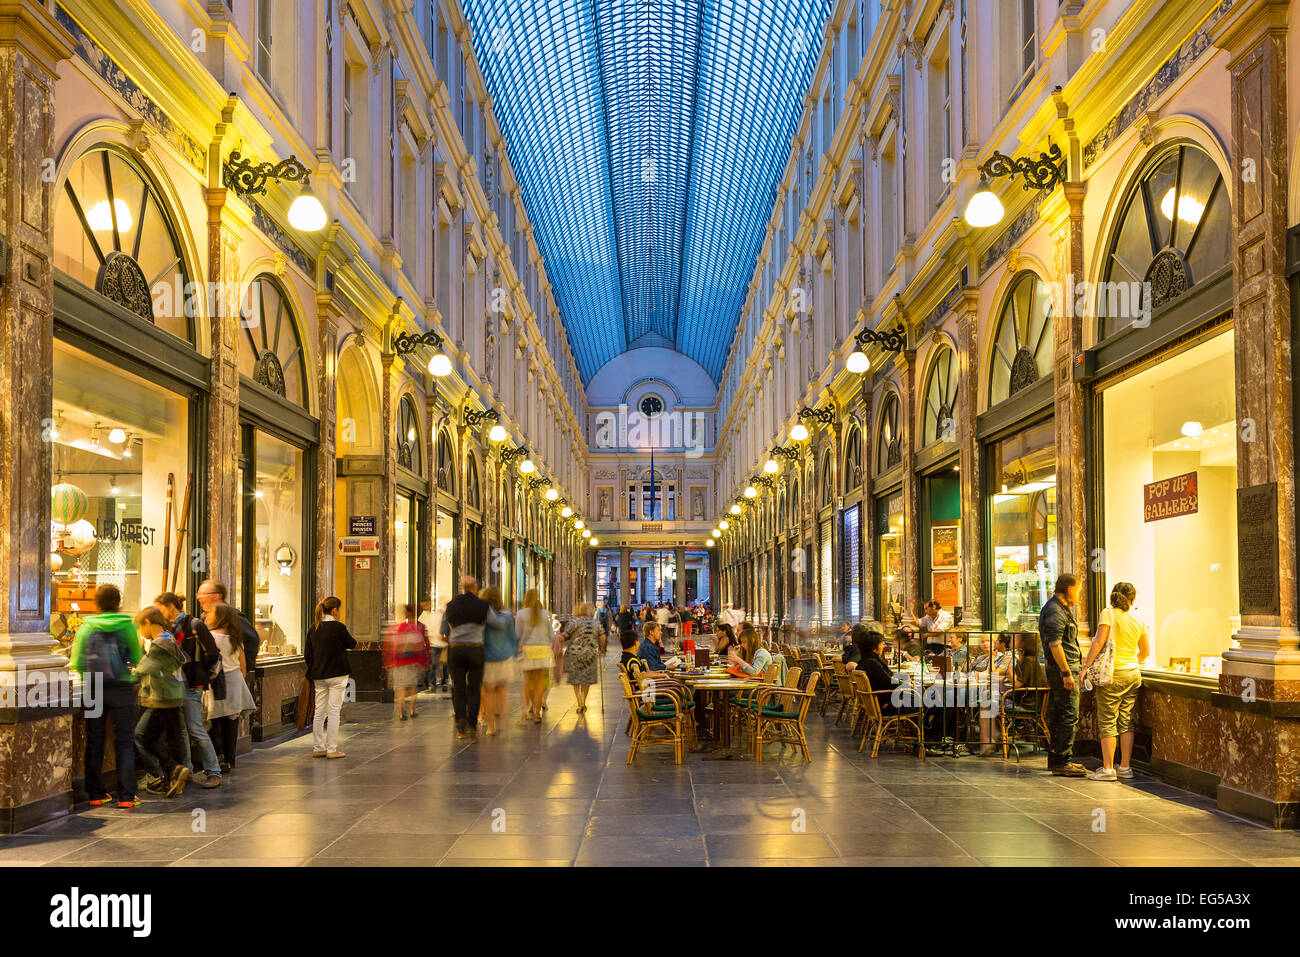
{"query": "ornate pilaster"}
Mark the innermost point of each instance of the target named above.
(912, 590)
(326, 472)
(1071, 443)
(228, 221)
(972, 507)
(35, 741)
(391, 367)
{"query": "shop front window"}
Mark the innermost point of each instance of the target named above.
(404, 538)
(850, 548)
(271, 541)
(120, 454)
(445, 573)
(889, 525)
(1169, 464)
(1023, 533)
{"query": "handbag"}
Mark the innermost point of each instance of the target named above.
(217, 684)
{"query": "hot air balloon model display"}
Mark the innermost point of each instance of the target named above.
(67, 503)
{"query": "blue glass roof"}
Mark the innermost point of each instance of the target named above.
(648, 137)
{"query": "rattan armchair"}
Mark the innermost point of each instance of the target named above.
(782, 724)
(882, 723)
(644, 721)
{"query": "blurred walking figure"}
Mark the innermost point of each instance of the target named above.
(500, 647)
(584, 649)
(431, 619)
(326, 656)
(104, 650)
(406, 656)
(536, 635)
(224, 712)
(463, 623)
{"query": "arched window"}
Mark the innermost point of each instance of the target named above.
(1023, 346)
(941, 400)
(827, 481)
(446, 463)
(112, 232)
(780, 511)
(408, 436)
(507, 504)
(889, 447)
(270, 350)
(472, 498)
(1152, 245)
(853, 460)
(794, 500)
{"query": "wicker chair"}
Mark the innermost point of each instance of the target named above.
(876, 719)
(830, 688)
(848, 700)
(663, 688)
(645, 720)
(1023, 711)
(773, 723)
(747, 702)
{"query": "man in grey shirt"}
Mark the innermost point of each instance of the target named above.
(462, 624)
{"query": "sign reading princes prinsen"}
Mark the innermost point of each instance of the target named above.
(1170, 497)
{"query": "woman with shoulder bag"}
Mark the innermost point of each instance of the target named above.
(225, 700)
(1114, 667)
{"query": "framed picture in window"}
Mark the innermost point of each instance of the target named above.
(1209, 666)
(943, 589)
(945, 546)
(1180, 665)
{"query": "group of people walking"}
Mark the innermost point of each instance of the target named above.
(186, 673)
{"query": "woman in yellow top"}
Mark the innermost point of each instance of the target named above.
(1115, 700)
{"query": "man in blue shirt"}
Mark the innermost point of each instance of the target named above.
(651, 650)
(1060, 636)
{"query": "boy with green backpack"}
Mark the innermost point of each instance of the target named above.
(104, 651)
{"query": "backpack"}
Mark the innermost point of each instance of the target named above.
(201, 669)
(103, 655)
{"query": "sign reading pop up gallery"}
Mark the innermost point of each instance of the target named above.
(1170, 497)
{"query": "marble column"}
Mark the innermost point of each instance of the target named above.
(867, 516)
(625, 576)
(972, 504)
(913, 593)
(1068, 410)
(35, 732)
(1260, 684)
(391, 367)
(228, 221)
(326, 471)
(679, 583)
(434, 410)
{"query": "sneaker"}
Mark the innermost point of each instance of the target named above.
(335, 754)
(179, 777)
(127, 805)
(1103, 774)
(318, 754)
(101, 801)
(401, 717)
(1071, 770)
(155, 785)
(212, 781)
(1123, 772)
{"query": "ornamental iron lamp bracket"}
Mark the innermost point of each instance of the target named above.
(509, 455)
(559, 503)
(473, 418)
(825, 415)
(1046, 171)
(404, 343)
(537, 483)
(790, 453)
(891, 340)
(762, 480)
(247, 178)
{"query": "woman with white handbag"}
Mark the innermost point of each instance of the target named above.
(1113, 668)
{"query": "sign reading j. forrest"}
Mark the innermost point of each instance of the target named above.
(1169, 498)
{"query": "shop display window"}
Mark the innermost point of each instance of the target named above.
(889, 528)
(272, 548)
(115, 440)
(1169, 487)
(1023, 528)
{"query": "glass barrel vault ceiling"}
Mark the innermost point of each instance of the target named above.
(648, 137)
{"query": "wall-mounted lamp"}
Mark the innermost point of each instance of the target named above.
(789, 453)
(825, 415)
(474, 418)
(799, 433)
(891, 340)
(404, 344)
(249, 179)
(537, 483)
(1046, 171)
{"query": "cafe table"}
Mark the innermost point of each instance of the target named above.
(720, 686)
(957, 690)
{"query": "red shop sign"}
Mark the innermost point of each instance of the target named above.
(1169, 498)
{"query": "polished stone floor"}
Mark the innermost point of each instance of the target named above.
(562, 794)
